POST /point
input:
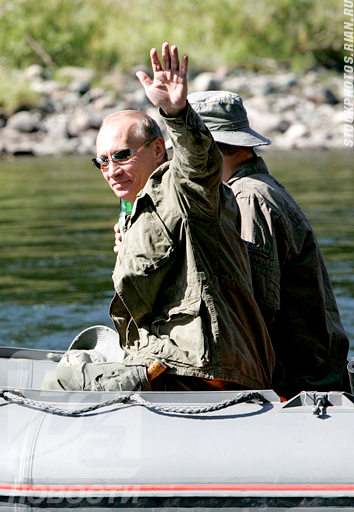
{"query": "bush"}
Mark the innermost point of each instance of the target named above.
(106, 33)
(15, 92)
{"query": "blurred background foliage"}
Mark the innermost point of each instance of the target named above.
(104, 34)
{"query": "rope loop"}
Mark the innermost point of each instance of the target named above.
(16, 397)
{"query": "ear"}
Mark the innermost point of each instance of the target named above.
(160, 149)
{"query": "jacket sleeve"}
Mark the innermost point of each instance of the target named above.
(196, 166)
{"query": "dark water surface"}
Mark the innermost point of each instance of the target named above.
(56, 255)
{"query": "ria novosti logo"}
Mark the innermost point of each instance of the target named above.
(348, 103)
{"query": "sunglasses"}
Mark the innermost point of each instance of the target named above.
(122, 155)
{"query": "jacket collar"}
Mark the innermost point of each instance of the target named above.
(254, 165)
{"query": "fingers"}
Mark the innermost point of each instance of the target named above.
(184, 67)
(174, 59)
(168, 88)
(155, 61)
(166, 56)
(116, 248)
(170, 59)
(143, 78)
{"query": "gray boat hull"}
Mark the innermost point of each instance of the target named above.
(133, 454)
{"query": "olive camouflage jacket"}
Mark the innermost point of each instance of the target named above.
(182, 276)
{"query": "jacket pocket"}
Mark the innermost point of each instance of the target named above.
(148, 242)
(181, 337)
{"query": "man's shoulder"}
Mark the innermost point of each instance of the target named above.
(265, 190)
(261, 185)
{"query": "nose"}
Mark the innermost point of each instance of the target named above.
(113, 169)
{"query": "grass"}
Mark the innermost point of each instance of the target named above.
(15, 91)
(103, 34)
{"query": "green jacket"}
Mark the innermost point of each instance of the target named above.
(182, 276)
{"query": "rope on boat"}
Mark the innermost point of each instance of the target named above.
(238, 399)
(16, 397)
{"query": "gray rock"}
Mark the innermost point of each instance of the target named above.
(18, 143)
(79, 86)
(95, 120)
(294, 111)
(205, 82)
(130, 84)
(296, 131)
(87, 143)
(309, 78)
(320, 94)
(136, 100)
(284, 82)
(3, 117)
(35, 71)
(285, 103)
(335, 84)
(71, 99)
(335, 141)
(320, 137)
(47, 87)
(261, 85)
(283, 125)
(292, 136)
(308, 142)
(56, 126)
(47, 106)
(24, 121)
(93, 94)
(20, 148)
(76, 73)
(222, 72)
(236, 84)
(82, 121)
(305, 111)
(322, 118)
(50, 146)
(265, 122)
(105, 102)
(78, 124)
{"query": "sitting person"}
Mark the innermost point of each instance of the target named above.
(182, 276)
(290, 281)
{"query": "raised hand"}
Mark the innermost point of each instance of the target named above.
(168, 89)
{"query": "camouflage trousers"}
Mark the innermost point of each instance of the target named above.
(97, 377)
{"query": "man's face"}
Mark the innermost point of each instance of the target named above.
(126, 179)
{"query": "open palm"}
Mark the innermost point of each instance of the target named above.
(168, 89)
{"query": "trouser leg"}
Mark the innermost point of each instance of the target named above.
(97, 377)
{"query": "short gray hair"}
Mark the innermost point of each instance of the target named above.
(146, 127)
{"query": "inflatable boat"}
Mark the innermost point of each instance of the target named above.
(171, 450)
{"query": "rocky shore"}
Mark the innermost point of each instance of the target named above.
(293, 110)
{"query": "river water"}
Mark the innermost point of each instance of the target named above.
(56, 218)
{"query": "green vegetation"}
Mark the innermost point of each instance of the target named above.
(103, 34)
(15, 91)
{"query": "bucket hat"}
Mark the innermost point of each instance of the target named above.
(96, 344)
(226, 117)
